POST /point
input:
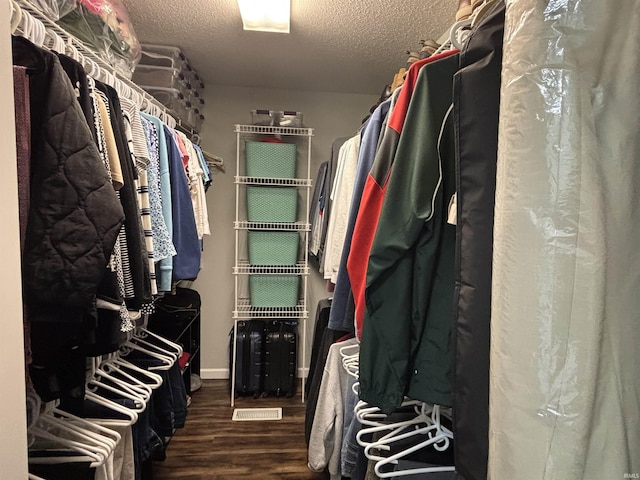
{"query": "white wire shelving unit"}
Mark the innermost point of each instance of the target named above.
(243, 310)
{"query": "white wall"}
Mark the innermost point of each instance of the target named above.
(331, 115)
(13, 423)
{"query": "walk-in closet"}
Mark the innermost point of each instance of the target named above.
(320, 240)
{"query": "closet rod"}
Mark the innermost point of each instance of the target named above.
(90, 60)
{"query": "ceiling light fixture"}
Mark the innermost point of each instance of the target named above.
(265, 15)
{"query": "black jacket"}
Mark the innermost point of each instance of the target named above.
(75, 215)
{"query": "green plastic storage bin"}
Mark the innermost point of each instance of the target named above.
(272, 204)
(272, 160)
(274, 290)
(273, 248)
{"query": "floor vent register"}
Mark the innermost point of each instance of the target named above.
(256, 414)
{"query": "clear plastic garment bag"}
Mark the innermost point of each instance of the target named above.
(565, 349)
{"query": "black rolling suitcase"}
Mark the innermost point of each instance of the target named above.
(280, 358)
(249, 357)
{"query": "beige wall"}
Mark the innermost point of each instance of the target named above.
(331, 115)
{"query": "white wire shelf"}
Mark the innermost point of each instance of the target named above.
(245, 268)
(246, 311)
(259, 129)
(285, 182)
(289, 227)
(244, 272)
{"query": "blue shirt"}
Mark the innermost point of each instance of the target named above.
(186, 263)
(342, 316)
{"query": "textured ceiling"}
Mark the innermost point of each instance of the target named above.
(352, 46)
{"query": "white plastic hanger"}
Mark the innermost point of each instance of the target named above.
(107, 77)
(95, 70)
(140, 405)
(438, 436)
(131, 416)
(143, 332)
(167, 361)
(154, 380)
(123, 379)
(33, 406)
(458, 36)
(421, 423)
(26, 25)
(72, 51)
(144, 106)
(351, 361)
(106, 444)
(139, 99)
(81, 451)
(146, 343)
(368, 415)
(91, 426)
(16, 16)
(60, 46)
(371, 415)
(107, 366)
(39, 32)
(80, 438)
(153, 340)
(154, 110)
(122, 389)
(394, 428)
(122, 88)
(53, 42)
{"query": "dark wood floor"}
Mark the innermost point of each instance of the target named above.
(213, 447)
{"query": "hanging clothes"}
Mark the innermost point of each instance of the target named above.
(110, 146)
(323, 338)
(206, 172)
(134, 248)
(325, 443)
(406, 344)
(331, 175)
(114, 285)
(74, 218)
(476, 91)
(375, 189)
(341, 195)
(124, 273)
(79, 80)
(164, 272)
(163, 247)
(317, 209)
(140, 156)
(195, 179)
(186, 263)
(565, 333)
(73, 280)
(71, 218)
(342, 311)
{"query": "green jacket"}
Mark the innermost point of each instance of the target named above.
(406, 337)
